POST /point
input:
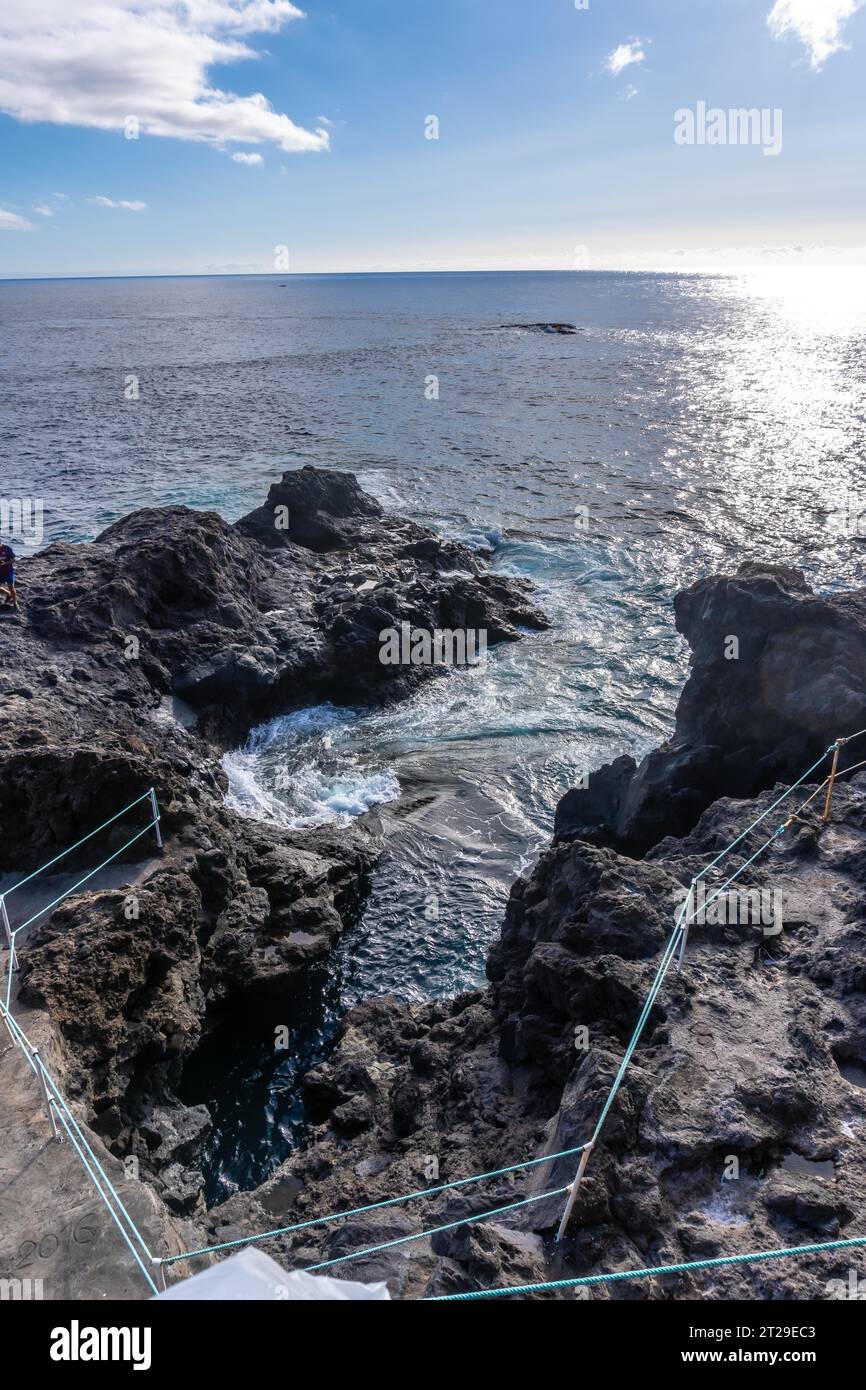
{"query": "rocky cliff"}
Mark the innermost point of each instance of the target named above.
(138, 659)
(742, 1121)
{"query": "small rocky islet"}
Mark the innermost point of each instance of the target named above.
(143, 656)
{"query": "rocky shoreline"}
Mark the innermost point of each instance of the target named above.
(139, 659)
(173, 613)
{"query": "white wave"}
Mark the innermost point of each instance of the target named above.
(300, 771)
(247, 795)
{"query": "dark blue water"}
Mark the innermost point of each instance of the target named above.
(691, 423)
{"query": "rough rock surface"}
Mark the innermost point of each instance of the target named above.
(137, 660)
(777, 674)
(56, 1236)
(741, 1123)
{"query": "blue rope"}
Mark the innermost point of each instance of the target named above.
(434, 1230)
(764, 814)
(684, 1268)
(661, 972)
(67, 1119)
(664, 966)
(62, 1105)
(81, 842)
(112, 1213)
(76, 886)
(372, 1206)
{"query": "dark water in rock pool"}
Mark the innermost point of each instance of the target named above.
(691, 423)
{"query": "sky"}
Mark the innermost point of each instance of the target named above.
(254, 136)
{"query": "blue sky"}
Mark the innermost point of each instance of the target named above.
(556, 132)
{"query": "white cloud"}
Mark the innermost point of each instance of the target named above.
(817, 23)
(11, 222)
(52, 205)
(243, 158)
(98, 62)
(126, 205)
(624, 55)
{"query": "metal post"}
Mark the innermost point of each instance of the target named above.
(688, 914)
(7, 932)
(49, 1104)
(155, 808)
(572, 1196)
(829, 797)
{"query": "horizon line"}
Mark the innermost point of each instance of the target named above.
(45, 278)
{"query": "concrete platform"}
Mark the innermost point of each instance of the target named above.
(54, 1226)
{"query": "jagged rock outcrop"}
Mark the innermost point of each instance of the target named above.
(777, 674)
(741, 1122)
(137, 660)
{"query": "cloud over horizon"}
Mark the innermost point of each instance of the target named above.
(817, 24)
(98, 62)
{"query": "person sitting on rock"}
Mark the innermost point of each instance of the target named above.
(8, 594)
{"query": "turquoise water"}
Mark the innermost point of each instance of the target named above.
(691, 423)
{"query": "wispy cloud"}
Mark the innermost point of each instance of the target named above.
(243, 158)
(124, 204)
(817, 23)
(11, 222)
(624, 55)
(52, 205)
(98, 63)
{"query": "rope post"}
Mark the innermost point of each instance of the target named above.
(572, 1196)
(8, 933)
(160, 1273)
(688, 915)
(155, 808)
(837, 748)
(49, 1107)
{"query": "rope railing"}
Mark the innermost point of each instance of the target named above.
(11, 934)
(57, 1109)
(686, 1267)
(677, 940)
(150, 794)
(678, 935)
(373, 1206)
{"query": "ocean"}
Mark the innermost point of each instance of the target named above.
(690, 423)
